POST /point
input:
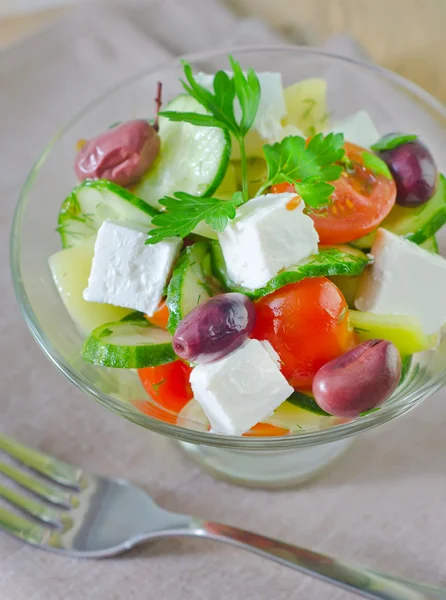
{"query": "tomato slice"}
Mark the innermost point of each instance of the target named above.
(266, 430)
(160, 317)
(360, 202)
(168, 384)
(307, 324)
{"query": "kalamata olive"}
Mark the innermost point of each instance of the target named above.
(414, 171)
(215, 328)
(359, 380)
(122, 154)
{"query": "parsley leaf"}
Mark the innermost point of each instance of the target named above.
(184, 212)
(314, 193)
(219, 105)
(224, 89)
(192, 118)
(247, 90)
(309, 167)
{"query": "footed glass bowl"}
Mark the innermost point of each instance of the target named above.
(394, 104)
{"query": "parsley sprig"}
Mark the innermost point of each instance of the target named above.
(308, 166)
(184, 212)
(220, 106)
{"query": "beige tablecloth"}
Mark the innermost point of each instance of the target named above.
(382, 505)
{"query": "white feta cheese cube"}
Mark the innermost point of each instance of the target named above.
(404, 280)
(266, 237)
(272, 106)
(358, 129)
(241, 389)
(127, 272)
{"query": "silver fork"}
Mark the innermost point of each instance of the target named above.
(76, 513)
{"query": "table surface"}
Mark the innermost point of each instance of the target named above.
(382, 505)
(407, 36)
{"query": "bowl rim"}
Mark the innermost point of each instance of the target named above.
(312, 437)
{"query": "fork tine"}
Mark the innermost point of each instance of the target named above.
(31, 507)
(31, 483)
(48, 466)
(27, 530)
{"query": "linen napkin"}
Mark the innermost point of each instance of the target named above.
(381, 505)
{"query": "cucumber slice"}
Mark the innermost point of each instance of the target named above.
(405, 332)
(306, 104)
(415, 224)
(134, 315)
(129, 344)
(431, 245)
(94, 201)
(229, 184)
(406, 363)
(70, 269)
(348, 286)
(306, 402)
(191, 283)
(297, 419)
(192, 159)
(333, 260)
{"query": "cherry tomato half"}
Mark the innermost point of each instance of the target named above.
(307, 325)
(266, 430)
(160, 316)
(168, 384)
(361, 200)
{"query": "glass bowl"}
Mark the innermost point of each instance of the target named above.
(394, 104)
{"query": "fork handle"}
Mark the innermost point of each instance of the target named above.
(366, 583)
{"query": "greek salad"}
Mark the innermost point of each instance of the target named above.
(261, 267)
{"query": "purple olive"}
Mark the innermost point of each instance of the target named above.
(215, 328)
(122, 154)
(414, 171)
(359, 380)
